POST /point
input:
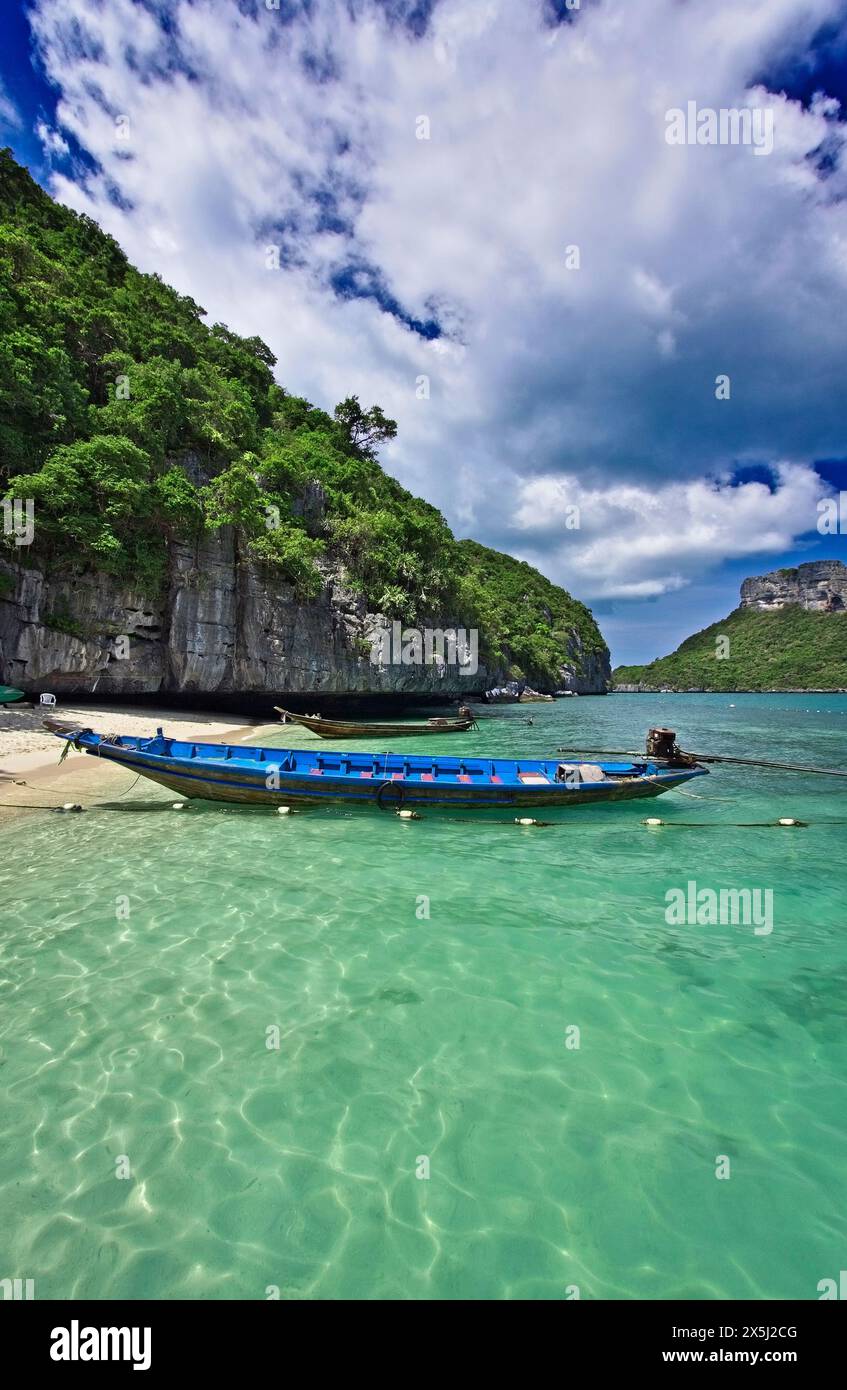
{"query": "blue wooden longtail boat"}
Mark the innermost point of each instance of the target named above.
(390, 781)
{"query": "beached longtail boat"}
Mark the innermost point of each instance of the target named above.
(8, 694)
(339, 728)
(391, 781)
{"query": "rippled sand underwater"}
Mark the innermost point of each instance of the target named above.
(425, 980)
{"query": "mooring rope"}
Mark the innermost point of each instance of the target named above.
(27, 806)
(694, 796)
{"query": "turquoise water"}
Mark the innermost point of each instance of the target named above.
(145, 954)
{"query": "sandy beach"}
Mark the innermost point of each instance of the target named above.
(28, 751)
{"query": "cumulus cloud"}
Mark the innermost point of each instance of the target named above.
(590, 281)
(625, 540)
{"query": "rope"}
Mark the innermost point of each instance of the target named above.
(741, 824)
(27, 806)
(439, 818)
(136, 778)
(695, 797)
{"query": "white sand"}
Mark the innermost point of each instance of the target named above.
(27, 749)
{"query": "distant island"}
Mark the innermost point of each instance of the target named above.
(788, 633)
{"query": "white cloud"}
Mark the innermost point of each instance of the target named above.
(633, 541)
(694, 261)
(53, 144)
(9, 117)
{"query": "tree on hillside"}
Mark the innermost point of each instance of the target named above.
(364, 428)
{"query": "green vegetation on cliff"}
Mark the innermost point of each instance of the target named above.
(532, 620)
(131, 422)
(790, 648)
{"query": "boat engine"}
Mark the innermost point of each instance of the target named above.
(662, 744)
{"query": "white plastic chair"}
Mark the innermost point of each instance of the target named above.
(47, 699)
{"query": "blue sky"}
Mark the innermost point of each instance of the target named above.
(202, 134)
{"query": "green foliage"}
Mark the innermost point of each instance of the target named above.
(64, 621)
(364, 429)
(789, 648)
(94, 502)
(177, 503)
(523, 619)
(130, 422)
(146, 403)
(235, 498)
(292, 551)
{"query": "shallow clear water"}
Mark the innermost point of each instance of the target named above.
(404, 1037)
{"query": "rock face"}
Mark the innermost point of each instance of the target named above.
(820, 585)
(789, 633)
(583, 672)
(225, 628)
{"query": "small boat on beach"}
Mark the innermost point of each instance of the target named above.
(9, 695)
(339, 728)
(301, 777)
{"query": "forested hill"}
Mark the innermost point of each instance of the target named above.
(790, 648)
(110, 380)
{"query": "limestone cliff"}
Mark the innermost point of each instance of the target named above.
(225, 627)
(819, 586)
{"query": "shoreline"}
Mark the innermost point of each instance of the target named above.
(27, 750)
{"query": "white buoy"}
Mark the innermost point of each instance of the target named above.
(786, 820)
(652, 820)
(178, 806)
(525, 820)
(408, 815)
(283, 810)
